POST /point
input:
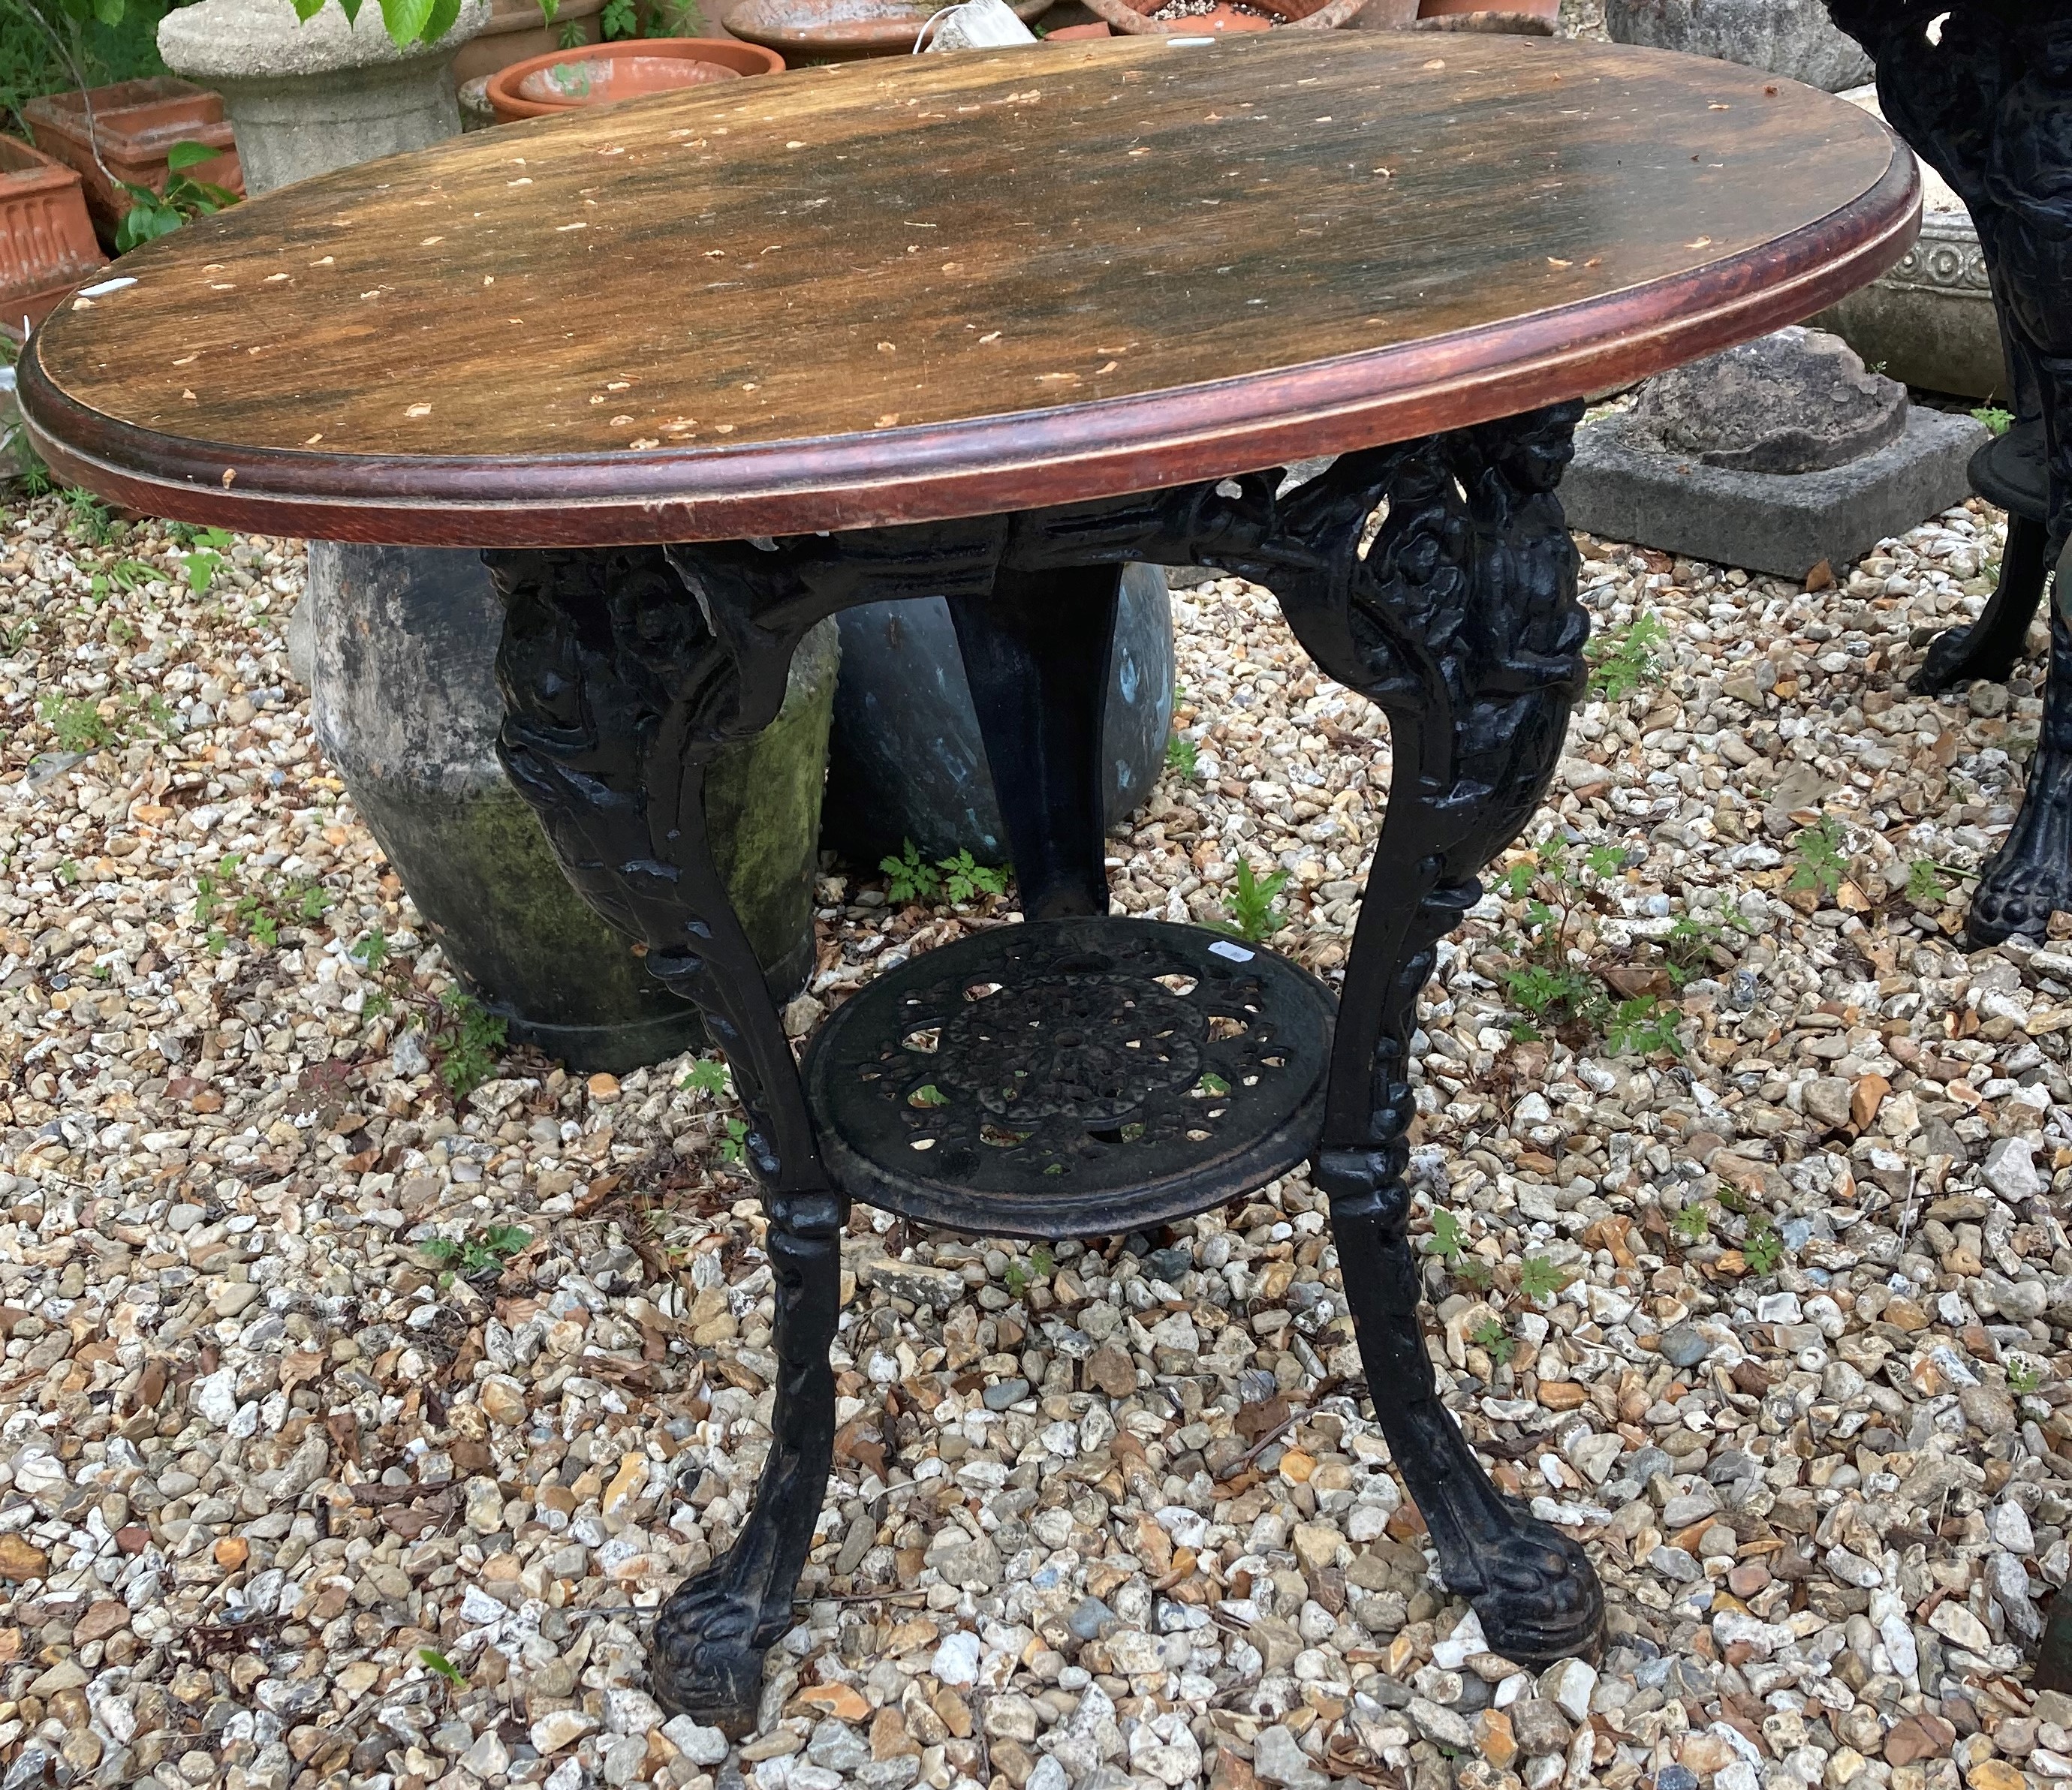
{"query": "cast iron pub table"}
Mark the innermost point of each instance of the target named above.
(701, 370)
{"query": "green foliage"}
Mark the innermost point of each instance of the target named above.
(911, 878)
(1692, 1224)
(1540, 1280)
(1622, 659)
(2023, 1376)
(466, 1046)
(1182, 755)
(372, 952)
(734, 1145)
(87, 517)
(1642, 1027)
(1819, 851)
(1494, 1341)
(1929, 884)
(229, 908)
(1997, 421)
(1250, 904)
(70, 42)
(1021, 1276)
(433, 1661)
(1551, 995)
(1449, 1237)
(928, 1094)
(1761, 1248)
(619, 19)
(964, 879)
(206, 559)
(77, 722)
(152, 215)
(482, 1252)
(708, 1075)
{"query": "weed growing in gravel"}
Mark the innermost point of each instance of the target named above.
(964, 879)
(1254, 914)
(911, 877)
(1692, 1224)
(1495, 1341)
(708, 1075)
(1642, 1027)
(2023, 1376)
(206, 559)
(483, 1252)
(256, 914)
(1761, 1249)
(1182, 755)
(77, 722)
(1021, 1276)
(467, 1047)
(1622, 659)
(433, 1661)
(1997, 421)
(733, 1147)
(1539, 1279)
(1819, 861)
(86, 519)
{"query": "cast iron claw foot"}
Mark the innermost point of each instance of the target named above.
(2030, 877)
(707, 1650)
(1959, 656)
(1533, 1588)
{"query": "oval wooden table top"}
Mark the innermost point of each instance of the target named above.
(958, 284)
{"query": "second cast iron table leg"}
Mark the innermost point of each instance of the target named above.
(1982, 90)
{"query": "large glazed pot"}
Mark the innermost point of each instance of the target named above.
(407, 710)
(1795, 38)
(907, 760)
(305, 98)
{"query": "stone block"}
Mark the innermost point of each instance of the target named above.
(1784, 523)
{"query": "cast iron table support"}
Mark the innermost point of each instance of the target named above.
(1982, 90)
(1437, 576)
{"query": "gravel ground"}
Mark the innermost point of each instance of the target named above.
(1767, 1306)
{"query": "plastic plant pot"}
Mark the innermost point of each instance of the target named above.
(545, 87)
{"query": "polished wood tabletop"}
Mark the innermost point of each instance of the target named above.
(907, 290)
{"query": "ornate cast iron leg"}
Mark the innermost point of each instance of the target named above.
(1459, 618)
(1036, 651)
(617, 694)
(1987, 101)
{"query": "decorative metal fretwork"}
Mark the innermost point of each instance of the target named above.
(1072, 1078)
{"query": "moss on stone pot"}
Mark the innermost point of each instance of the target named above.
(406, 707)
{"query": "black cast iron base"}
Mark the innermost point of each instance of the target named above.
(1091, 1073)
(1982, 90)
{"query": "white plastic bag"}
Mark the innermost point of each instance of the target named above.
(973, 25)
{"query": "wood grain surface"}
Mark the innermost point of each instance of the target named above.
(909, 290)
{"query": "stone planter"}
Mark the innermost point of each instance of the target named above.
(1795, 38)
(404, 645)
(908, 762)
(307, 98)
(1930, 320)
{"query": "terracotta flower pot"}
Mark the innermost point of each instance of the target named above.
(1135, 17)
(47, 245)
(1530, 17)
(807, 31)
(518, 31)
(135, 123)
(543, 87)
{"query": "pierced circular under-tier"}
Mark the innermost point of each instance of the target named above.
(1078, 1077)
